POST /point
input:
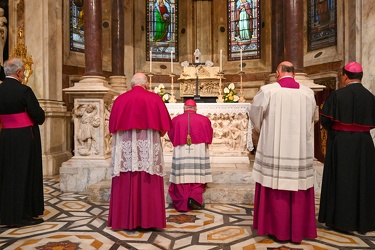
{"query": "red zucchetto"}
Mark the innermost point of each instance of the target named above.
(190, 103)
(353, 67)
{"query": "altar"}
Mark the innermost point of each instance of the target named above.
(232, 138)
(207, 79)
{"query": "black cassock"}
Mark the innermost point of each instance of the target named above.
(347, 199)
(21, 177)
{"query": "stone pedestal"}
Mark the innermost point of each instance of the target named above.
(92, 140)
(55, 136)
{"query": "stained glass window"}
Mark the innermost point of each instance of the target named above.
(77, 40)
(162, 22)
(244, 30)
(322, 24)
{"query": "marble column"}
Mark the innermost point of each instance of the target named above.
(118, 79)
(93, 37)
(118, 37)
(287, 39)
(277, 33)
(93, 98)
(293, 33)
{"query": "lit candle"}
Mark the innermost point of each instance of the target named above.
(171, 62)
(150, 61)
(241, 59)
(221, 60)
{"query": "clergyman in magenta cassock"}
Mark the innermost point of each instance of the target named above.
(191, 133)
(137, 121)
(283, 169)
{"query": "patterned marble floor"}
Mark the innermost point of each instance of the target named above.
(71, 222)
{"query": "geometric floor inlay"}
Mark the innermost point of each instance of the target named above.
(72, 222)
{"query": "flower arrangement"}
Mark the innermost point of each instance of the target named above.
(229, 94)
(160, 90)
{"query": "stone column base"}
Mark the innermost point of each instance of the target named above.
(77, 174)
(118, 83)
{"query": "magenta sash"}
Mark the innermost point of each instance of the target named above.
(19, 120)
(351, 127)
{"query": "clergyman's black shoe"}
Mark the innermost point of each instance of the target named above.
(13, 226)
(26, 222)
(193, 204)
(341, 231)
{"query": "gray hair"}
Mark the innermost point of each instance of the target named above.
(12, 66)
(139, 79)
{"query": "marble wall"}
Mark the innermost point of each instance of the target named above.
(365, 37)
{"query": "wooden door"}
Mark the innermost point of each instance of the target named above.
(320, 134)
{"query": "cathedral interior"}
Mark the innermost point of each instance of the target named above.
(80, 54)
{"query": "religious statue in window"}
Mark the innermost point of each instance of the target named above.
(162, 20)
(243, 17)
(321, 24)
(243, 27)
(162, 33)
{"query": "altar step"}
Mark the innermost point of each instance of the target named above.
(232, 183)
(215, 193)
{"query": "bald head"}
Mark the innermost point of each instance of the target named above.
(139, 79)
(285, 68)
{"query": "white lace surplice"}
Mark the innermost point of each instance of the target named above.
(137, 150)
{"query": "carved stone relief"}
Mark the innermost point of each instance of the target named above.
(88, 124)
(230, 126)
(208, 81)
(107, 134)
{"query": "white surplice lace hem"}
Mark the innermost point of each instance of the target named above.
(137, 150)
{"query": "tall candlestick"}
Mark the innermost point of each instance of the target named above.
(150, 61)
(221, 60)
(171, 62)
(241, 59)
(172, 98)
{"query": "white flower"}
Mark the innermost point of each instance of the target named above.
(185, 64)
(161, 86)
(235, 98)
(209, 64)
(166, 96)
(156, 90)
(231, 86)
(226, 90)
